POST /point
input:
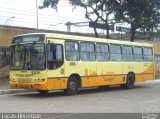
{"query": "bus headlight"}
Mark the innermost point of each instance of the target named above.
(43, 79)
(12, 79)
(39, 80)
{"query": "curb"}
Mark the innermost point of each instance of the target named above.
(153, 81)
(13, 91)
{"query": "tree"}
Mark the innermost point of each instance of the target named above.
(90, 9)
(95, 10)
(138, 13)
(101, 9)
(154, 20)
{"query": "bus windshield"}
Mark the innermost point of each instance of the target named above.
(28, 56)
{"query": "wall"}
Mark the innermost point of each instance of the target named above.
(7, 33)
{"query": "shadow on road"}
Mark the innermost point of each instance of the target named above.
(84, 91)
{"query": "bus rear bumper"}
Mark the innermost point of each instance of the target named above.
(33, 86)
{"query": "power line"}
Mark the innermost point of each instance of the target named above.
(31, 13)
(48, 18)
(44, 19)
(32, 21)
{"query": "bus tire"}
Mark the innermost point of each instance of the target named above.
(130, 81)
(72, 86)
(43, 92)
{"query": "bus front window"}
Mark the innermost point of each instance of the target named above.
(28, 57)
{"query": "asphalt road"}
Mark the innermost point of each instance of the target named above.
(145, 97)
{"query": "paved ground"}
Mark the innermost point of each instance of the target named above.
(4, 87)
(4, 83)
(145, 97)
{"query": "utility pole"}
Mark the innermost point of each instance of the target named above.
(37, 12)
(68, 24)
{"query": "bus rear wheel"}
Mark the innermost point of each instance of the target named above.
(72, 86)
(130, 81)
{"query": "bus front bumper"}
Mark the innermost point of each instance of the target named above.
(33, 86)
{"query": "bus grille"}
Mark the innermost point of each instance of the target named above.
(24, 79)
(23, 75)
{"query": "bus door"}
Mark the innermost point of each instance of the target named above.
(55, 65)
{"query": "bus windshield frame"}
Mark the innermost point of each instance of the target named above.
(29, 56)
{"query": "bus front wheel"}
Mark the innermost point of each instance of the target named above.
(72, 86)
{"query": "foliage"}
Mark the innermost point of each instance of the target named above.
(49, 3)
(138, 13)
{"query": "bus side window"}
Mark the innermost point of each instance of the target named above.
(147, 54)
(138, 56)
(54, 56)
(72, 50)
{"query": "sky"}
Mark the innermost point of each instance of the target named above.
(25, 15)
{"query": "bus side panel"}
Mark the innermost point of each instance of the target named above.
(102, 72)
(115, 73)
(85, 81)
(149, 71)
(89, 70)
(86, 70)
(138, 69)
(57, 83)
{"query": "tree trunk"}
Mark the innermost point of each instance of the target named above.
(95, 31)
(132, 34)
(107, 36)
(107, 28)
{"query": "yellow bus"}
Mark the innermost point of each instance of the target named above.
(49, 61)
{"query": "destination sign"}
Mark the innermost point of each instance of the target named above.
(28, 38)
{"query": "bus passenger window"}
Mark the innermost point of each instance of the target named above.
(127, 53)
(115, 53)
(87, 52)
(72, 51)
(54, 56)
(138, 57)
(102, 52)
(147, 54)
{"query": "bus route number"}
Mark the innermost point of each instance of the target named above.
(72, 64)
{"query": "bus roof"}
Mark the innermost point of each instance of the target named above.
(90, 39)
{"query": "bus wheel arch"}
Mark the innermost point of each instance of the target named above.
(73, 83)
